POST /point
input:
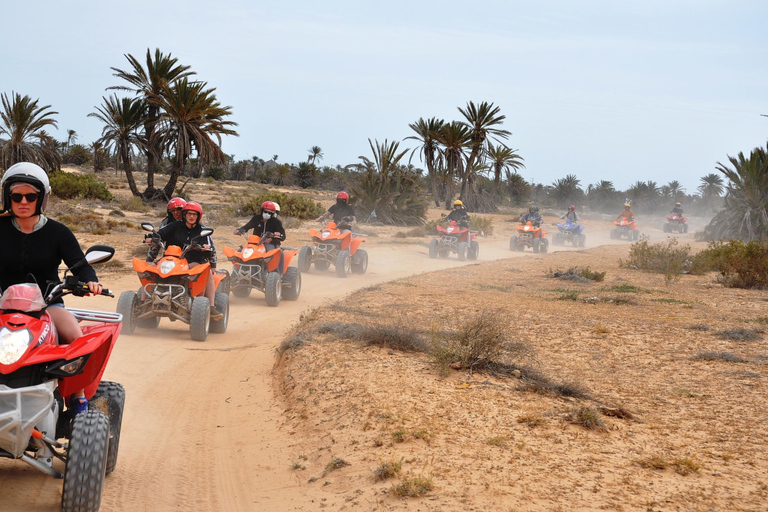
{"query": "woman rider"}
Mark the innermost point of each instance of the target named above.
(34, 246)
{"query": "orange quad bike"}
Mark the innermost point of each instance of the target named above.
(255, 266)
(173, 290)
(455, 238)
(335, 245)
(625, 228)
(531, 236)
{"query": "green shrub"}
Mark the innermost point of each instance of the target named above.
(481, 224)
(290, 206)
(742, 264)
(218, 173)
(83, 186)
(668, 257)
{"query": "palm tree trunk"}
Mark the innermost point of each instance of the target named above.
(126, 158)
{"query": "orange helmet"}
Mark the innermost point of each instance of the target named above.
(343, 195)
(193, 207)
(268, 206)
(176, 202)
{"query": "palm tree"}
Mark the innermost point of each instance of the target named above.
(161, 71)
(71, 138)
(122, 118)
(745, 207)
(429, 150)
(191, 115)
(711, 188)
(602, 195)
(481, 120)
(566, 190)
(518, 189)
(315, 153)
(455, 138)
(23, 122)
(501, 159)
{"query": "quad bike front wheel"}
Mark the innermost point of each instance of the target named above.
(221, 303)
(200, 318)
(536, 245)
(544, 245)
(474, 250)
(86, 462)
(305, 258)
(360, 262)
(110, 399)
(433, 248)
(125, 306)
(343, 264)
(273, 290)
(292, 282)
(513, 243)
(462, 251)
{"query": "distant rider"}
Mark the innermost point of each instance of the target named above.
(627, 213)
(266, 222)
(571, 215)
(677, 210)
(342, 211)
(173, 210)
(459, 214)
(182, 233)
(532, 216)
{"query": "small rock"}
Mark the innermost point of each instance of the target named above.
(517, 374)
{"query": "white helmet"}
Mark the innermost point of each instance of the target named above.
(277, 208)
(25, 172)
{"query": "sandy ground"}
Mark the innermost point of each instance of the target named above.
(219, 426)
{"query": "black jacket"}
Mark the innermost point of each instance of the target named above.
(259, 227)
(39, 254)
(460, 215)
(177, 233)
(341, 210)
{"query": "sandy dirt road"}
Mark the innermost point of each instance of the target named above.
(203, 428)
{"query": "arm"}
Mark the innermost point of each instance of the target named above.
(248, 225)
(71, 254)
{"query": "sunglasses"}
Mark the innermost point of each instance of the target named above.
(31, 197)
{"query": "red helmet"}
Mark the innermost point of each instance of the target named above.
(344, 196)
(193, 207)
(573, 208)
(268, 206)
(176, 202)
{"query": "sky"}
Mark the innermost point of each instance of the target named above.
(618, 90)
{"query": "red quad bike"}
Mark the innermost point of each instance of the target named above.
(335, 246)
(455, 239)
(676, 223)
(531, 236)
(173, 290)
(253, 266)
(38, 376)
(625, 228)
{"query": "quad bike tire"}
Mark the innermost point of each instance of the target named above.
(360, 262)
(322, 265)
(343, 264)
(665, 228)
(462, 251)
(273, 290)
(433, 248)
(110, 399)
(635, 234)
(86, 462)
(513, 243)
(292, 282)
(125, 306)
(544, 245)
(200, 318)
(222, 304)
(305, 259)
(536, 245)
(685, 228)
(582, 240)
(241, 291)
(474, 250)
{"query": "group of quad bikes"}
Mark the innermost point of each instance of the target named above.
(172, 289)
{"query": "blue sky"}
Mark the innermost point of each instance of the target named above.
(617, 90)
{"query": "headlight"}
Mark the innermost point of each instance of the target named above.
(167, 265)
(13, 344)
(247, 252)
(325, 234)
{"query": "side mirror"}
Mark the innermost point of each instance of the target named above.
(147, 226)
(206, 232)
(99, 254)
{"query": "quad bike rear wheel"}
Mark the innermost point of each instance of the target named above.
(200, 318)
(305, 259)
(292, 282)
(222, 304)
(86, 462)
(273, 290)
(544, 245)
(536, 245)
(360, 262)
(513, 243)
(125, 306)
(474, 250)
(110, 399)
(343, 264)
(462, 251)
(433, 248)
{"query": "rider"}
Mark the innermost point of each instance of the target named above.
(34, 246)
(174, 208)
(571, 214)
(532, 216)
(627, 213)
(677, 210)
(342, 212)
(267, 222)
(459, 214)
(182, 234)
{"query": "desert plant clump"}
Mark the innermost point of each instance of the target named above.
(413, 486)
(740, 334)
(334, 464)
(741, 264)
(93, 223)
(685, 466)
(653, 462)
(340, 330)
(668, 257)
(531, 420)
(581, 275)
(476, 344)
(396, 336)
(569, 295)
(290, 205)
(719, 356)
(587, 417)
(482, 224)
(84, 186)
(387, 470)
(535, 382)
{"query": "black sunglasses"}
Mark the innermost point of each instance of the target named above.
(31, 197)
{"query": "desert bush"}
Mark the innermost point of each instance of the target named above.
(742, 264)
(77, 155)
(396, 336)
(93, 223)
(340, 329)
(719, 356)
(668, 257)
(218, 173)
(740, 334)
(482, 224)
(537, 382)
(84, 186)
(587, 417)
(412, 487)
(387, 470)
(577, 274)
(685, 466)
(290, 205)
(336, 463)
(476, 344)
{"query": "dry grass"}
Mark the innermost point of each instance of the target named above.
(413, 486)
(387, 470)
